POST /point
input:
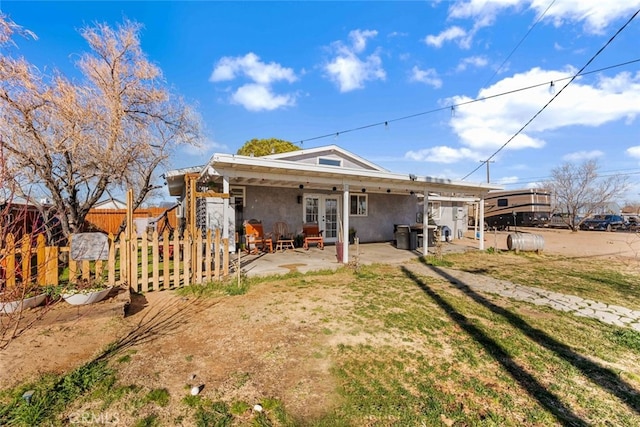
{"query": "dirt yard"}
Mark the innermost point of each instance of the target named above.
(171, 338)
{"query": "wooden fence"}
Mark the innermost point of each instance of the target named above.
(153, 263)
(109, 220)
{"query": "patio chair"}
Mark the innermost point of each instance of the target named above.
(284, 239)
(312, 234)
(255, 238)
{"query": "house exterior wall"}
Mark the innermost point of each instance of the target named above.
(271, 205)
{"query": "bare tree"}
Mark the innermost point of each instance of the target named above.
(110, 131)
(579, 191)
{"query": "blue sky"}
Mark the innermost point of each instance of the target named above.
(302, 70)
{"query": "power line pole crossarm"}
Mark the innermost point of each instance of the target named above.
(487, 162)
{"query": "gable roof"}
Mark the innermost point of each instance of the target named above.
(273, 171)
(350, 159)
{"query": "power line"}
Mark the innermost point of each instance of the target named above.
(604, 174)
(453, 107)
(520, 42)
(559, 92)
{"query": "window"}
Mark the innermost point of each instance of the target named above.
(434, 210)
(311, 209)
(358, 205)
(329, 162)
(503, 202)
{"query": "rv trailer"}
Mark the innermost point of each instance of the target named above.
(528, 207)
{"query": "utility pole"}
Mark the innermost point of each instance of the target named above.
(487, 162)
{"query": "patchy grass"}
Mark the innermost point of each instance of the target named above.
(401, 348)
(592, 278)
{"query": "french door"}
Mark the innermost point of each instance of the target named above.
(323, 209)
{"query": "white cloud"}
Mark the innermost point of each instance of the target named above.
(429, 76)
(506, 180)
(579, 156)
(595, 15)
(257, 95)
(347, 69)
(491, 123)
(486, 126)
(452, 33)
(634, 151)
(442, 154)
(475, 61)
(250, 66)
(359, 39)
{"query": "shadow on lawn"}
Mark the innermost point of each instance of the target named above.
(164, 320)
(599, 375)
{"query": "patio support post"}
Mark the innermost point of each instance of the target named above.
(481, 222)
(345, 224)
(425, 224)
(225, 210)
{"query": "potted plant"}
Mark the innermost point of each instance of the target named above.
(86, 291)
(21, 297)
(352, 235)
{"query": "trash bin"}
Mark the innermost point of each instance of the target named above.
(413, 240)
(402, 236)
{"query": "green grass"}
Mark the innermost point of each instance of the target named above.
(402, 348)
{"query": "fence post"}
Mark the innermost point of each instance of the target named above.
(111, 264)
(41, 260)
(199, 256)
(188, 252)
(144, 247)
(155, 255)
(10, 261)
(208, 260)
(25, 252)
(225, 256)
(166, 255)
(216, 255)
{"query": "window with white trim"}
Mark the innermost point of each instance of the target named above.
(358, 205)
(329, 162)
(434, 210)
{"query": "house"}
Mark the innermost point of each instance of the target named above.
(327, 185)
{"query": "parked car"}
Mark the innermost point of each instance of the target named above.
(604, 222)
(557, 221)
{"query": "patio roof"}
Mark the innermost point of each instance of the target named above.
(266, 171)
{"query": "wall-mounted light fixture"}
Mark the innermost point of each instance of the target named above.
(411, 192)
(388, 190)
(334, 188)
(364, 190)
(301, 186)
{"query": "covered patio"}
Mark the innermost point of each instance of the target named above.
(277, 180)
(303, 261)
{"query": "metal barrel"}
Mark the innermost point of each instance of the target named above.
(525, 242)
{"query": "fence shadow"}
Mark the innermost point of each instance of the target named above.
(599, 375)
(528, 382)
(162, 320)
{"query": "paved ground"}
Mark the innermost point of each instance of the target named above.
(606, 313)
(315, 259)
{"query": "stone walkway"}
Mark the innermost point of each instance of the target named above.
(606, 313)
